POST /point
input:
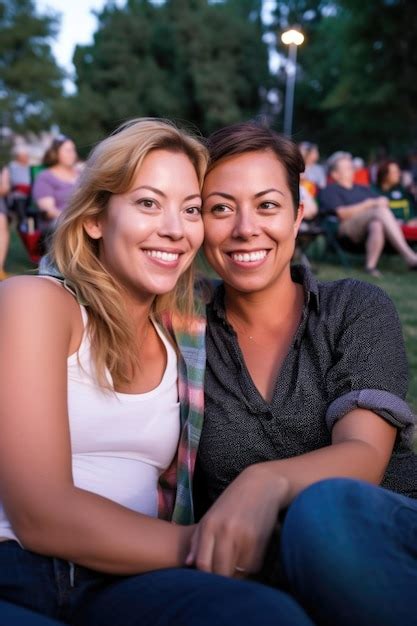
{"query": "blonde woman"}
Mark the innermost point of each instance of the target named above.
(91, 430)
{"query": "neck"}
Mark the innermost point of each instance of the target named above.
(138, 311)
(267, 308)
(68, 169)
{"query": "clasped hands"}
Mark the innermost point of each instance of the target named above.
(232, 536)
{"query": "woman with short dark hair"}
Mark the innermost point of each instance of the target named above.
(305, 380)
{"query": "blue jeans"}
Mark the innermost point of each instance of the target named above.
(349, 552)
(170, 597)
(11, 615)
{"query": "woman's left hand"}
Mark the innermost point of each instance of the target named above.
(232, 536)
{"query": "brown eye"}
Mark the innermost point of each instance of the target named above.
(268, 205)
(146, 203)
(221, 209)
(193, 210)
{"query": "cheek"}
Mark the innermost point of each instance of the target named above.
(197, 234)
(215, 232)
(282, 228)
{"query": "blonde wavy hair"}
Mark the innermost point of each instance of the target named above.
(111, 169)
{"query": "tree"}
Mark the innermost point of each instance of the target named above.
(357, 89)
(185, 59)
(30, 80)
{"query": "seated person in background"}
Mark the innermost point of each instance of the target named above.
(361, 176)
(314, 177)
(309, 229)
(363, 215)
(4, 225)
(401, 202)
(309, 203)
(18, 180)
(53, 187)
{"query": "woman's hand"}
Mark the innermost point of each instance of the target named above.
(232, 537)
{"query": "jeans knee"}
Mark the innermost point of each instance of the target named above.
(321, 501)
(318, 523)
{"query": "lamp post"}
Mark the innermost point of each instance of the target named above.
(292, 38)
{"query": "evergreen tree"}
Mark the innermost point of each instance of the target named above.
(188, 60)
(356, 87)
(30, 80)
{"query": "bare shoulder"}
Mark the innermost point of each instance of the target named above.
(40, 300)
(32, 288)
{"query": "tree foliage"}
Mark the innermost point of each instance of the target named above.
(185, 59)
(30, 79)
(357, 87)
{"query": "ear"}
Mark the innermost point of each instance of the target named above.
(299, 218)
(92, 227)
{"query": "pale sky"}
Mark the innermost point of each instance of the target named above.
(78, 25)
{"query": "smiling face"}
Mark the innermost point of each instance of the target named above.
(344, 172)
(249, 221)
(67, 154)
(149, 235)
(393, 176)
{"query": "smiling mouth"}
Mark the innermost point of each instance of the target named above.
(248, 257)
(168, 257)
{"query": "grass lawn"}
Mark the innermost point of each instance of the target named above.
(400, 284)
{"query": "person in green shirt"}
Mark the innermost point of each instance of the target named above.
(401, 202)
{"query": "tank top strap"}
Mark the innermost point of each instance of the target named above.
(63, 283)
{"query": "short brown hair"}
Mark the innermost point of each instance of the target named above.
(253, 136)
(50, 158)
(383, 170)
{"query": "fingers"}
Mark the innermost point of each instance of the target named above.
(203, 556)
(225, 547)
(190, 558)
(224, 558)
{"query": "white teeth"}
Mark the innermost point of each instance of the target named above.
(249, 257)
(163, 256)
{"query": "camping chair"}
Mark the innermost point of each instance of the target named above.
(308, 232)
(340, 246)
(28, 222)
(410, 233)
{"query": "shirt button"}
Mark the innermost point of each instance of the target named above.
(268, 416)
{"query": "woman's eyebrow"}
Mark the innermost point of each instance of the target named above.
(262, 193)
(161, 193)
(149, 188)
(222, 194)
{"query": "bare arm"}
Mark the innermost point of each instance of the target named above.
(344, 212)
(48, 206)
(235, 531)
(39, 327)
(4, 181)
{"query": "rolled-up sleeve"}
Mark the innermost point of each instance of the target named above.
(370, 369)
(387, 405)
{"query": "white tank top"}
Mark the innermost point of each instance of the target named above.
(120, 442)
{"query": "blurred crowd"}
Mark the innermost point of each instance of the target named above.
(34, 191)
(367, 206)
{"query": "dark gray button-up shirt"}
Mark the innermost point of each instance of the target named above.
(348, 352)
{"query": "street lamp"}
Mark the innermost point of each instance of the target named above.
(291, 38)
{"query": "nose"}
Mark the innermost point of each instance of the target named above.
(172, 224)
(246, 224)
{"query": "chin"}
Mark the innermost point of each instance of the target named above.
(245, 286)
